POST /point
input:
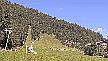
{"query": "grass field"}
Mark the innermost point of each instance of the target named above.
(44, 53)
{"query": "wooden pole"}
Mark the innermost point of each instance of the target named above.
(26, 49)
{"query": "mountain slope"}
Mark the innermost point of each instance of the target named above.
(19, 18)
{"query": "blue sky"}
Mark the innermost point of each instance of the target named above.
(92, 14)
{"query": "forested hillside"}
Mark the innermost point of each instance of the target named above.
(19, 18)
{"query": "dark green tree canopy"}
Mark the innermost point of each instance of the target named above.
(19, 18)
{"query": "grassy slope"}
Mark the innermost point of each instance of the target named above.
(45, 54)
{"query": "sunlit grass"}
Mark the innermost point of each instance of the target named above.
(42, 46)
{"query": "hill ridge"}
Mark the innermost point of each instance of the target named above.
(19, 18)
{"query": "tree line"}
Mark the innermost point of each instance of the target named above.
(18, 18)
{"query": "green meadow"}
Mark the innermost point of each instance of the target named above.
(48, 48)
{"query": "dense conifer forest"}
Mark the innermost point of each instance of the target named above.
(19, 18)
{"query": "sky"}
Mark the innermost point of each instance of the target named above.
(92, 14)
